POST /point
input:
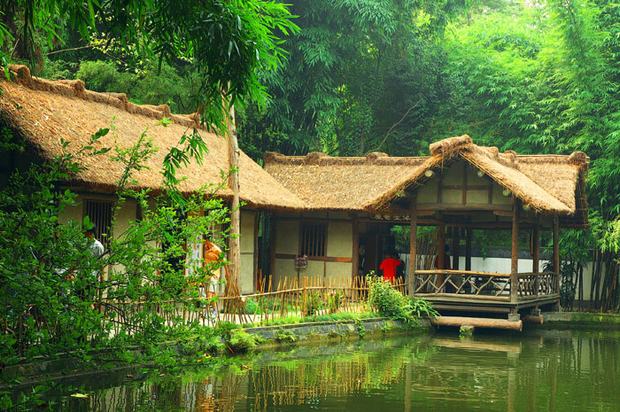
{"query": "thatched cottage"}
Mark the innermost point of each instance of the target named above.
(43, 112)
(350, 201)
(334, 210)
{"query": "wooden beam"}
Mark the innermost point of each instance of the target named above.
(477, 322)
(514, 257)
(413, 230)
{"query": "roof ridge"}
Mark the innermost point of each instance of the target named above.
(77, 88)
(320, 158)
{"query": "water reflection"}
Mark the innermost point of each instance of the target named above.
(554, 371)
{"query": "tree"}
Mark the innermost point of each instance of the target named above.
(228, 43)
(361, 76)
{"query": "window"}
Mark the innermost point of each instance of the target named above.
(313, 239)
(100, 213)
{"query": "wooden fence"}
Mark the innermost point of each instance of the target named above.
(299, 297)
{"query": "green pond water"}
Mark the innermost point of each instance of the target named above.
(540, 370)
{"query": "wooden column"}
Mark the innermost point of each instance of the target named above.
(468, 238)
(356, 249)
(514, 261)
(441, 253)
(441, 246)
(535, 249)
(413, 230)
(456, 234)
(536, 257)
(556, 251)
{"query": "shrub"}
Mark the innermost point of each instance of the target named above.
(252, 307)
(313, 304)
(285, 336)
(390, 303)
(241, 341)
(421, 307)
(386, 300)
(360, 328)
(334, 301)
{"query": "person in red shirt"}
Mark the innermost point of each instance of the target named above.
(389, 267)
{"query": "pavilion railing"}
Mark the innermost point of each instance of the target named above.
(482, 285)
(532, 285)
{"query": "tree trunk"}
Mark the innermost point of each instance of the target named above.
(232, 288)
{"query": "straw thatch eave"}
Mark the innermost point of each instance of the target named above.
(43, 112)
(547, 184)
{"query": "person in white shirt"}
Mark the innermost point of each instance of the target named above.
(96, 247)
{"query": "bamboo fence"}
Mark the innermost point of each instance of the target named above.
(289, 297)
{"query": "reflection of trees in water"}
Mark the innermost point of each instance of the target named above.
(538, 373)
(302, 382)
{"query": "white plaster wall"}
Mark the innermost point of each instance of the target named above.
(247, 247)
(340, 239)
(287, 236)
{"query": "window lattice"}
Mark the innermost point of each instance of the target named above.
(313, 239)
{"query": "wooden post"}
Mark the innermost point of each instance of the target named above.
(536, 257)
(441, 245)
(413, 230)
(514, 261)
(468, 238)
(441, 253)
(556, 251)
(535, 249)
(456, 234)
(233, 182)
(356, 249)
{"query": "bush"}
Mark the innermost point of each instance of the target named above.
(285, 336)
(421, 307)
(313, 304)
(386, 300)
(392, 304)
(241, 341)
(252, 307)
(334, 301)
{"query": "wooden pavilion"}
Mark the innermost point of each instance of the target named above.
(461, 187)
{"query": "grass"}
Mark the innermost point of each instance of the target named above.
(332, 317)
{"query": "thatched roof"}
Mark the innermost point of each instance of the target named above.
(550, 184)
(44, 111)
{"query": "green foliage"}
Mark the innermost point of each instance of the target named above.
(360, 328)
(285, 336)
(334, 301)
(312, 304)
(386, 300)
(422, 308)
(252, 307)
(50, 281)
(330, 317)
(240, 341)
(466, 331)
(392, 304)
(200, 341)
(361, 76)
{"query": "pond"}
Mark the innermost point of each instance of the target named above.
(539, 370)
